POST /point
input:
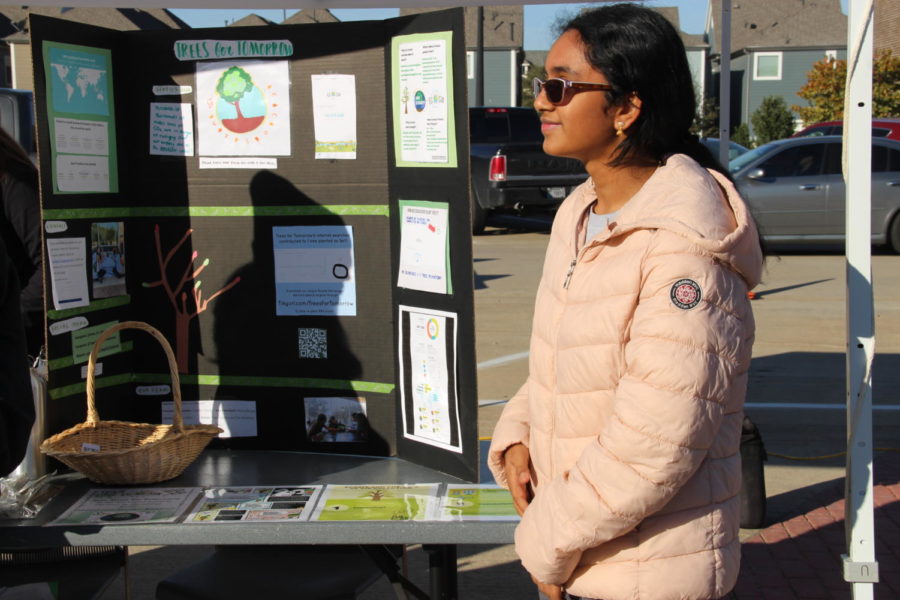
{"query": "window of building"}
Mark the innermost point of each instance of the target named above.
(831, 54)
(767, 65)
(470, 65)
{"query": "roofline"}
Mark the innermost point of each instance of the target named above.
(842, 46)
(749, 49)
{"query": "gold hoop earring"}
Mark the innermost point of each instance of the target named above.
(619, 128)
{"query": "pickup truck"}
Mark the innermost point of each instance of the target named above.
(509, 170)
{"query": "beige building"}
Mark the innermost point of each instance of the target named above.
(887, 26)
(15, 52)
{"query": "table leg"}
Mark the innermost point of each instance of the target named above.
(386, 560)
(442, 571)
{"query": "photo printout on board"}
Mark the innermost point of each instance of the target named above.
(336, 419)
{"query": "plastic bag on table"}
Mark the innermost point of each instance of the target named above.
(22, 497)
(27, 489)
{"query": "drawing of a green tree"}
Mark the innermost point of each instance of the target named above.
(234, 84)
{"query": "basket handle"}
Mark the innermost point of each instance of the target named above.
(92, 415)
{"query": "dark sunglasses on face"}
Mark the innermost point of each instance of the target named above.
(555, 89)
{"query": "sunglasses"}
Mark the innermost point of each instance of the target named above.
(555, 89)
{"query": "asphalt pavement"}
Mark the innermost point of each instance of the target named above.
(796, 397)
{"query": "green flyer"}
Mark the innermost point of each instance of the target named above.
(422, 100)
(477, 503)
(377, 503)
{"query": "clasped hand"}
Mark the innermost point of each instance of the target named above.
(516, 464)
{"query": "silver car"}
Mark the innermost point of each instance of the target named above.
(796, 190)
(734, 149)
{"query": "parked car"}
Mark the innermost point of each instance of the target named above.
(796, 189)
(509, 170)
(734, 149)
(889, 128)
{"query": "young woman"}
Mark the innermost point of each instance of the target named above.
(622, 447)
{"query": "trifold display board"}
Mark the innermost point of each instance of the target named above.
(289, 206)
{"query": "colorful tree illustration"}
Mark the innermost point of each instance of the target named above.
(185, 308)
(233, 85)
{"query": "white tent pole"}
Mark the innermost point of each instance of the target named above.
(860, 567)
(725, 83)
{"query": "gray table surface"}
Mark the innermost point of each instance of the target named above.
(246, 468)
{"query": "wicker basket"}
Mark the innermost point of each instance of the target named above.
(130, 453)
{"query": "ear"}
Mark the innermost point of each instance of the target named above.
(629, 110)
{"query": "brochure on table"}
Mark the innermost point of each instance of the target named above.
(290, 503)
(120, 506)
(258, 503)
(477, 503)
(268, 198)
(411, 502)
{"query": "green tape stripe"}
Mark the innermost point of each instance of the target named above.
(95, 305)
(379, 210)
(296, 382)
(68, 361)
(99, 382)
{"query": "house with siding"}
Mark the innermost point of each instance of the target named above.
(773, 47)
(696, 48)
(15, 51)
(503, 55)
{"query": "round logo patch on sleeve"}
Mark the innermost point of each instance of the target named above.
(685, 294)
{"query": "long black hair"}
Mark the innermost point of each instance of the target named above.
(640, 52)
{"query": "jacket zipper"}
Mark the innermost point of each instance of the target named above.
(569, 274)
(578, 252)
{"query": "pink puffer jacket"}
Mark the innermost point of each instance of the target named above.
(632, 410)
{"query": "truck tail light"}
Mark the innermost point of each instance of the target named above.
(497, 171)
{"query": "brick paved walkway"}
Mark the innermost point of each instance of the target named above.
(800, 558)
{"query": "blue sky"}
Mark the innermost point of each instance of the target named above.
(538, 17)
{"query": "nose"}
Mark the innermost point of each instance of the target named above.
(540, 101)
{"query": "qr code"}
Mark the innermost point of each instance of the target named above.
(313, 343)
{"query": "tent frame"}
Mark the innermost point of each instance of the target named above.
(860, 567)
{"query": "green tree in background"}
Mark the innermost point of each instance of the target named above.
(741, 135)
(706, 124)
(824, 89)
(886, 85)
(773, 120)
(527, 94)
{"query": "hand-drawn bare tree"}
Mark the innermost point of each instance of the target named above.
(185, 308)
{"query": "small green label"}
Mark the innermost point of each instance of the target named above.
(83, 340)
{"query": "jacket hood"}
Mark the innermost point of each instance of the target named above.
(701, 205)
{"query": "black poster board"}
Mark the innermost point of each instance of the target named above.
(169, 233)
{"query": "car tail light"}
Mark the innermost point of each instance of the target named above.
(497, 171)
